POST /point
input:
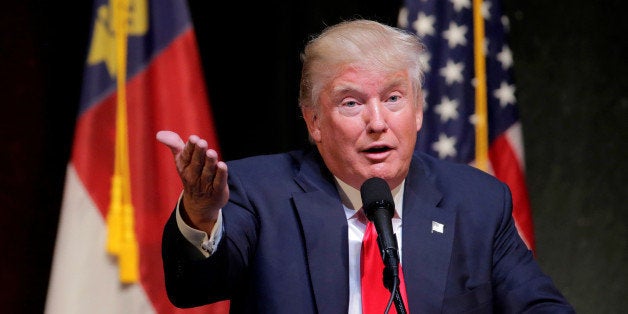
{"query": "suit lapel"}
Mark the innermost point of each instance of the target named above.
(426, 250)
(324, 226)
(428, 233)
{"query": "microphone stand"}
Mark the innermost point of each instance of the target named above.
(401, 308)
(391, 277)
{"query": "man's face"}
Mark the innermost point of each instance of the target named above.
(367, 125)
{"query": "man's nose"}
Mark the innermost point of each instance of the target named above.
(376, 118)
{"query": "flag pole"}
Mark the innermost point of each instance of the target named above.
(481, 117)
(121, 240)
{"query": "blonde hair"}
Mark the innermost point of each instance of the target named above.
(363, 43)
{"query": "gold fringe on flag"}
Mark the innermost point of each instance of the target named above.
(121, 240)
(481, 116)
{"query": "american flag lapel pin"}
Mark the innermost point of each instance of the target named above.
(438, 227)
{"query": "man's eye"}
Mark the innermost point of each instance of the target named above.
(350, 108)
(395, 102)
(350, 104)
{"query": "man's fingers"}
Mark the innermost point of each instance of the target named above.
(220, 177)
(209, 169)
(197, 160)
(198, 165)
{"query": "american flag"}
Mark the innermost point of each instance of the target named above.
(449, 128)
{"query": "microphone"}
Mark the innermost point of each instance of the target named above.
(379, 206)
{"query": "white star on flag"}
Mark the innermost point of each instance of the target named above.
(455, 35)
(452, 72)
(505, 94)
(461, 4)
(447, 109)
(486, 10)
(445, 146)
(424, 25)
(505, 58)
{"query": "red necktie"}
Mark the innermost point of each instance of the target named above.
(374, 295)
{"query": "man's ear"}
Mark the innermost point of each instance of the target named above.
(419, 119)
(312, 121)
(419, 111)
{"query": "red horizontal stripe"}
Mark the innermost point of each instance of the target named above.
(507, 168)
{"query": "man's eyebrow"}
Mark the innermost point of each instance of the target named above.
(346, 87)
(397, 82)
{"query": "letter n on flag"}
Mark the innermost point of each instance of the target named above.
(470, 112)
(142, 74)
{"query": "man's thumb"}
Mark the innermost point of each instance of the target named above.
(172, 140)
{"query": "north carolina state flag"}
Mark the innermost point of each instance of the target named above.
(163, 89)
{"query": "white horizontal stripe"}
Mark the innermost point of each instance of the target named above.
(84, 278)
(515, 137)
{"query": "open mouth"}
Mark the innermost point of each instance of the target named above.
(378, 149)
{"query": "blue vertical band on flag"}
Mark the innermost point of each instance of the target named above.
(166, 20)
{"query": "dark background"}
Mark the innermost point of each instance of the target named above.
(572, 90)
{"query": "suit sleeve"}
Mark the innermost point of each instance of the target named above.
(191, 278)
(519, 283)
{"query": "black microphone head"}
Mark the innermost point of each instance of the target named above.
(376, 195)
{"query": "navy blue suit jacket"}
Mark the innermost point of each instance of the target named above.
(285, 250)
